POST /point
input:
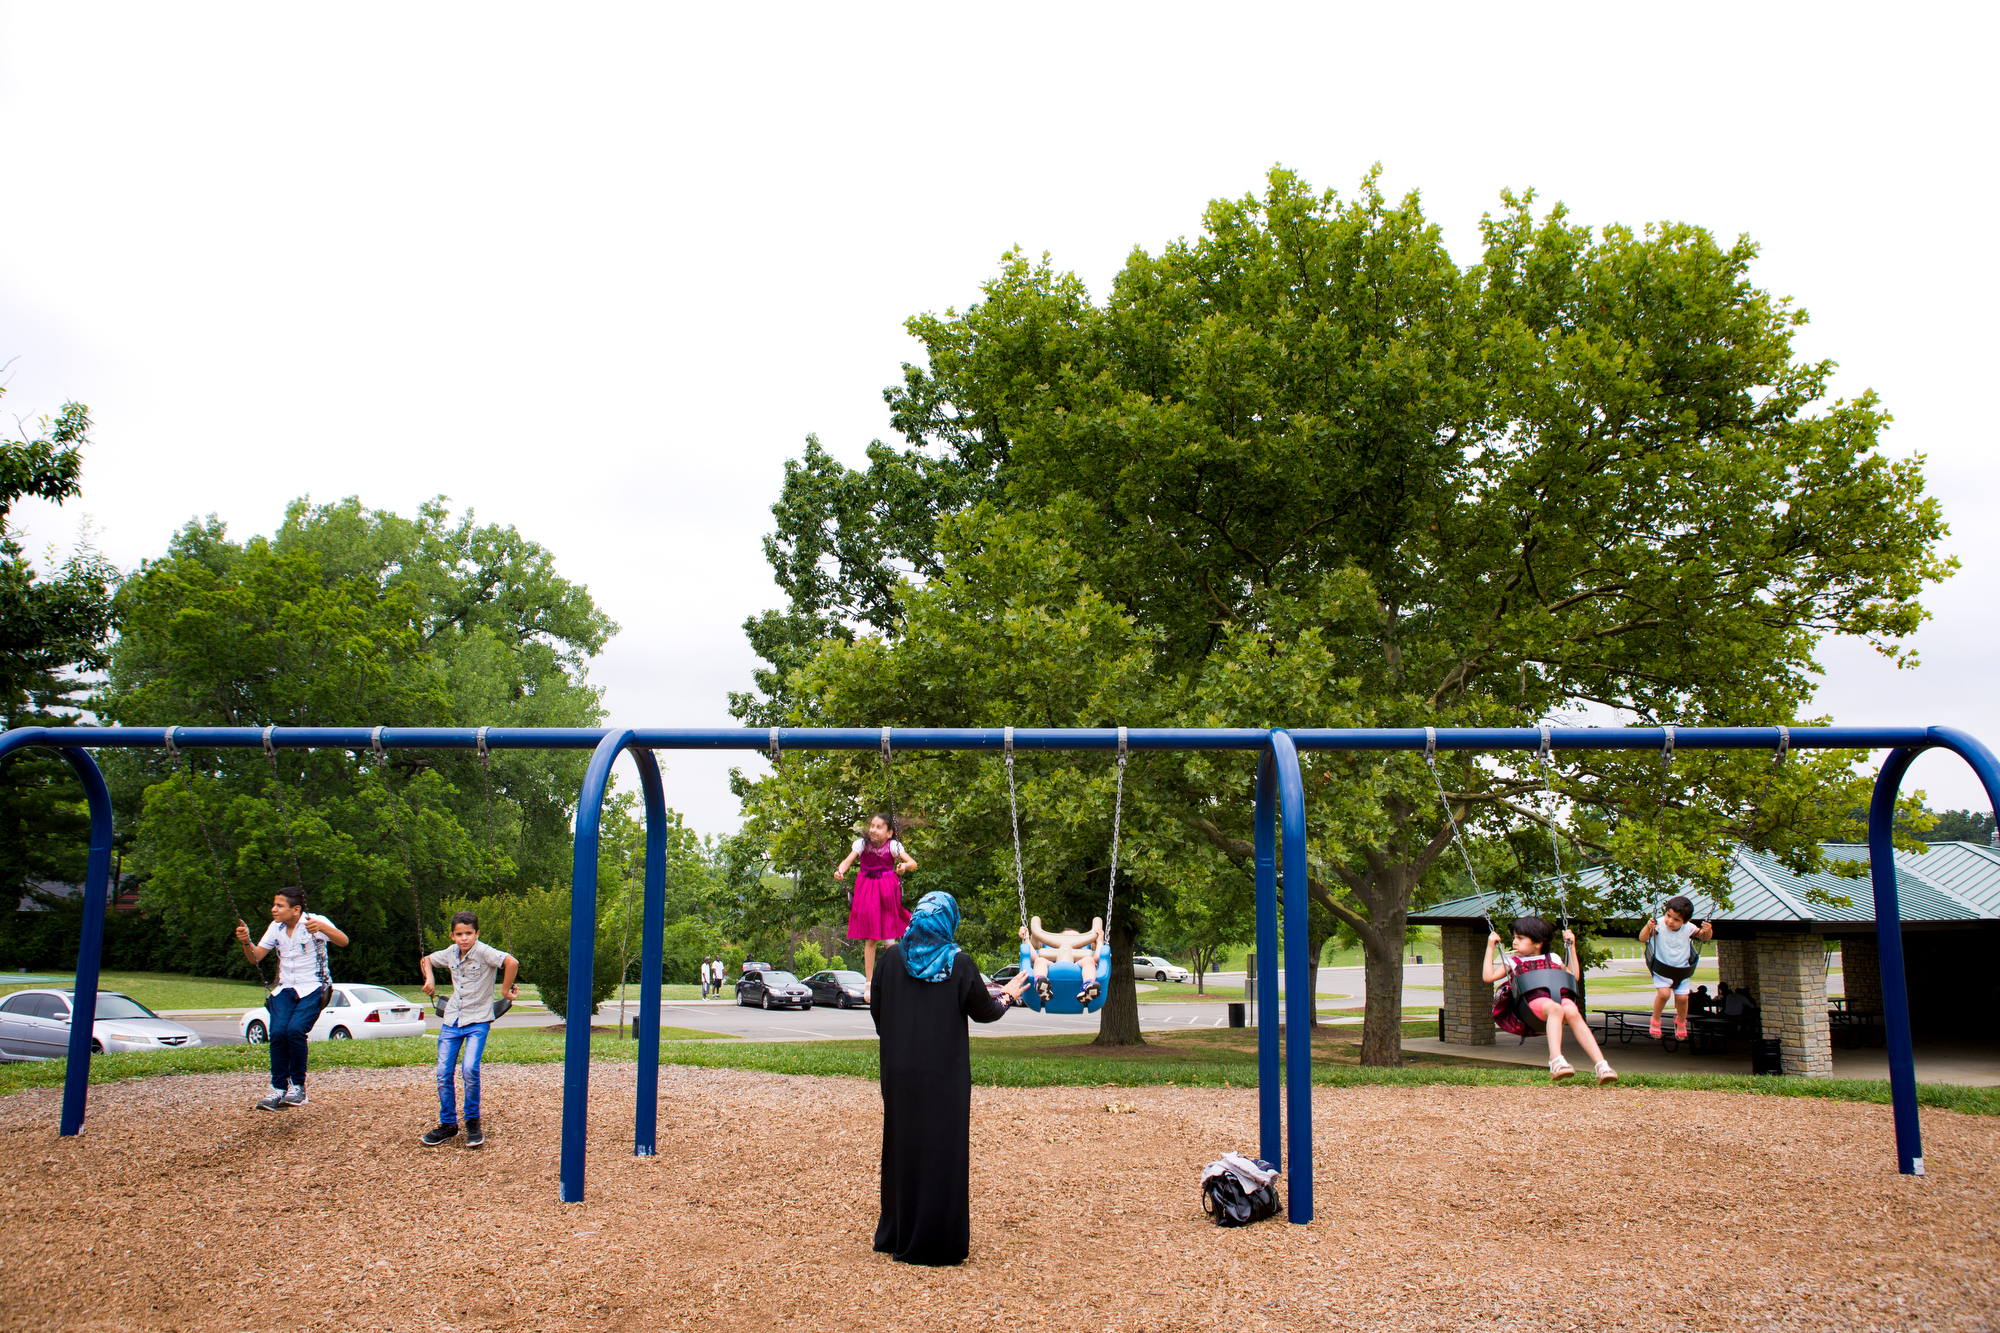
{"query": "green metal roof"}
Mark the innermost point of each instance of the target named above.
(1763, 892)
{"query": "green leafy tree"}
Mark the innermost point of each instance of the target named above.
(51, 629)
(1306, 469)
(349, 617)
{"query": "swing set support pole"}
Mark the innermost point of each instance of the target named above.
(646, 1028)
(96, 898)
(1889, 926)
(1270, 1137)
(1300, 999)
(578, 1012)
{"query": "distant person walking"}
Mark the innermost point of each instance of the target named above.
(704, 978)
(299, 938)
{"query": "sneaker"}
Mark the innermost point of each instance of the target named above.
(439, 1135)
(474, 1136)
(1044, 989)
(274, 1100)
(296, 1097)
(1088, 993)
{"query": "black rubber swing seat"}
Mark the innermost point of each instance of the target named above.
(1548, 981)
(1674, 974)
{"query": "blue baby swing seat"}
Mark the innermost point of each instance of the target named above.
(1065, 984)
(1065, 979)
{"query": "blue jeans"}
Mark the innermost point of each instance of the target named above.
(291, 1019)
(473, 1038)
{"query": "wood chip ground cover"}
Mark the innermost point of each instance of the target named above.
(1645, 1209)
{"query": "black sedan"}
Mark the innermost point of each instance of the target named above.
(842, 990)
(773, 990)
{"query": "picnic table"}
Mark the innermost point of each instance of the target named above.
(1707, 1033)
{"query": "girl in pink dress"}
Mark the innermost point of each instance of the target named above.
(877, 911)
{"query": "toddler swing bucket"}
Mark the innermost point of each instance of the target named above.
(1065, 980)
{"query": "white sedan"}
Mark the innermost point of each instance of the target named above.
(1155, 968)
(34, 1025)
(354, 1011)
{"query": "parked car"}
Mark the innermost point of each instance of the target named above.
(1158, 969)
(772, 989)
(842, 990)
(1005, 975)
(34, 1025)
(354, 1011)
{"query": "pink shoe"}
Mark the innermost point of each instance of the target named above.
(1680, 1030)
(1654, 1027)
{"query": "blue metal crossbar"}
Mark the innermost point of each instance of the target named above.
(1285, 1123)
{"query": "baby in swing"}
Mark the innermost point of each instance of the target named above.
(1083, 947)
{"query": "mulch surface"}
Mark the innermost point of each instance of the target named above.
(1439, 1208)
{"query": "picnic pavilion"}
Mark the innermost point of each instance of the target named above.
(1771, 942)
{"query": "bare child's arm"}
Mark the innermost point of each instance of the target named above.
(1492, 971)
(904, 863)
(1571, 963)
(841, 871)
(1707, 931)
(1646, 931)
(507, 986)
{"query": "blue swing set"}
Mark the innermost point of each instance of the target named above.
(1284, 1086)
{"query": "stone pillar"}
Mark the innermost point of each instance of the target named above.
(1736, 960)
(1861, 973)
(1792, 970)
(1468, 1001)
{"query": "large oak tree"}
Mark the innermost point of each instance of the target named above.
(1306, 469)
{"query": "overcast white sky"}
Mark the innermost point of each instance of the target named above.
(596, 271)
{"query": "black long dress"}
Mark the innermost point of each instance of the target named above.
(927, 1107)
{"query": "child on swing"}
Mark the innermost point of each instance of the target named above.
(1673, 937)
(876, 912)
(1532, 936)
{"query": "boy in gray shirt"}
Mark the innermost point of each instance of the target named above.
(468, 1018)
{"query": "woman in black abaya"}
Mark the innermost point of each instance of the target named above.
(924, 989)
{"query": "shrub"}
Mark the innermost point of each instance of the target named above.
(539, 927)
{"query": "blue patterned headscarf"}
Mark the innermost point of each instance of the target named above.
(928, 950)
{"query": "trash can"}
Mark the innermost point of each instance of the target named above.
(1766, 1056)
(1236, 1013)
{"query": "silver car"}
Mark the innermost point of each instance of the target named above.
(34, 1025)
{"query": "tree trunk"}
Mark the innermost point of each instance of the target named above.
(1118, 1021)
(1382, 954)
(1320, 927)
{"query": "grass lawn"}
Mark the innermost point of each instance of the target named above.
(161, 990)
(1203, 1058)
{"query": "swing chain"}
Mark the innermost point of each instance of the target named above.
(1659, 822)
(1555, 842)
(1117, 820)
(486, 797)
(888, 776)
(174, 757)
(1430, 759)
(284, 817)
(402, 844)
(1014, 814)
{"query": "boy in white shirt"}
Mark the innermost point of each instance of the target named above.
(1673, 939)
(299, 938)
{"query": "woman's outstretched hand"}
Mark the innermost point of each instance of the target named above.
(1015, 985)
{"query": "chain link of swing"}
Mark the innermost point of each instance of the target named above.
(1014, 820)
(184, 766)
